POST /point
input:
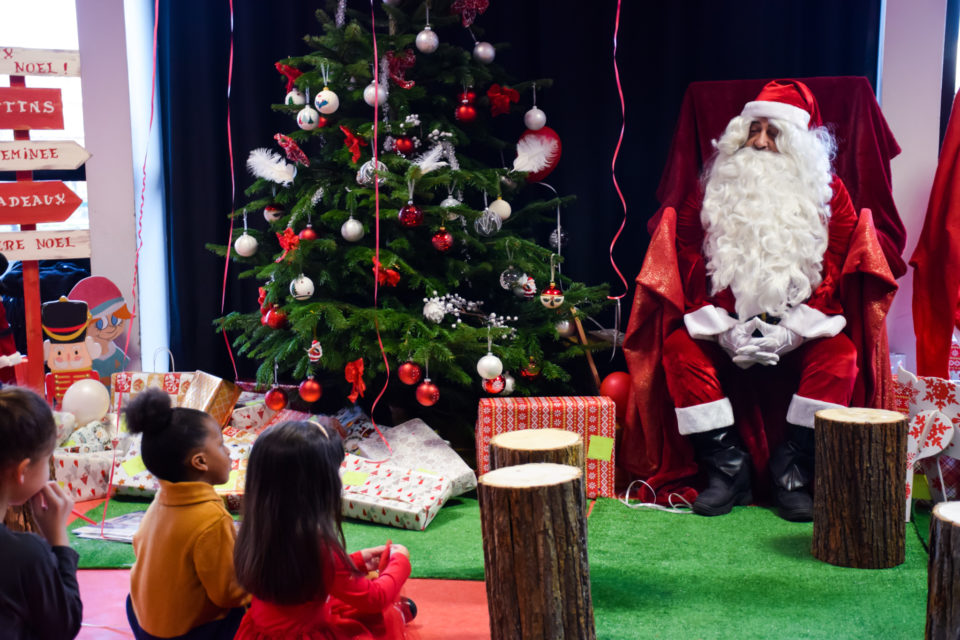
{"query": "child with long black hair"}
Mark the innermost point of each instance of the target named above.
(290, 550)
(183, 584)
(39, 595)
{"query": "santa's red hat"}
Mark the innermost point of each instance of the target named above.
(788, 100)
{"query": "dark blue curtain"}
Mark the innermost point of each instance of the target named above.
(663, 46)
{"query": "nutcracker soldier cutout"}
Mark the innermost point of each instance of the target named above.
(68, 351)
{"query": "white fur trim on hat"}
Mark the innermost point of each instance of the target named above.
(801, 410)
(778, 110)
(705, 417)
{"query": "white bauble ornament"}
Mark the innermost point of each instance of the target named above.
(433, 311)
(427, 40)
(525, 287)
(535, 119)
(484, 52)
(301, 287)
(326, 101)
(295, 97)
(245, 245)
(373, 93)
(272, 213)
(501, 207)
(565, 328)
(489, 366)
(308, 118)
(509, 384)
(352, 230)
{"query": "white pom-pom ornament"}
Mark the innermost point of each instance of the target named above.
(308, 118)
(484, 52)
(352, 230)
(535, 119)
(489, 366)
(374, 94)
(326, 101)
(295, 97)
(301, 287)
(245, 245)
(501, 207)
(427, 40)
(433, 311)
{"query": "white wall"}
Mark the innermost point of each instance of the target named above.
(910, 98)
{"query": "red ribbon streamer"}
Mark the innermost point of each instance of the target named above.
(613, 164)
(291, 73)
(353, 143)
(289, 241)
(294, 153)
(500, 99)
(353, 373)
(469, 9)
(399, 64)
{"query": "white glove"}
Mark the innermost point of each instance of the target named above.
(776, 340)
(742, 347)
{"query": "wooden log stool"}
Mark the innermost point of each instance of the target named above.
(859, 502)
(943, 574)
(536, 445)
(534, 525)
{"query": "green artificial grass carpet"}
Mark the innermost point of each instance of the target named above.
(748, 574)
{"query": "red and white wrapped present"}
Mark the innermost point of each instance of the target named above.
(416, 446)
(251, 416)
(85, 476)
(127, 384)
(387, 494)
(592, 417)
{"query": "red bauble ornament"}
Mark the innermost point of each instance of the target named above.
(532, 370)
(442, 240)
(409, 373)
(427, 393)
(275, 318)
(310, 390)
(618, 386)
(410, 215)
(275, 399)
(308, 233)
(548, 141)
(467, 97)
(465, 113)
(321, 122)
(494, 385)
(404, 145)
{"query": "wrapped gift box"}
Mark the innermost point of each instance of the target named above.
(130, 475)
(66, 425)
(416, 446)
(94, 436)
(85, 476)
(251, 415)
(357, 427)
(386, 494)
(214, 395)
(127, 384)
(592, 417)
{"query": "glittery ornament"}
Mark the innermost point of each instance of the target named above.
(427, 393)
(433, 311)
(442, 240)
(245, 245)
(409, 373)
(494, 385)
(558, 241)
(275, 399)
(366, 173)
(410, 215)
(310, 390)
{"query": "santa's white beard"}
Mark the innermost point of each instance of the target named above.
(765, 234)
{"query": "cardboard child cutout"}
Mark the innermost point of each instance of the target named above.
(110, 318)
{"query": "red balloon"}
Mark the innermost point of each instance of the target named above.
(310, 390)
(275, 399)
(466, 113)
(618, 386)
(427, 393)
(409, 373)
(308, 233)
(442, 240)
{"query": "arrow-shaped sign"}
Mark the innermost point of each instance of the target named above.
(39, 155)
(45, 245)
(34, 202)
(30, 108)
(39, 62)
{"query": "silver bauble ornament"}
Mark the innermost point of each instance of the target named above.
(535, 119)
(433, 311)
(308, 118)
(488, 223)
(301, 287)
(565, 328)
(484, 52)
(427, 40)
(326, 101)
(449, 202)
(489, 366)
(366, 173)
(558, 240)
(294, 98)
(509, 384)
(352, 230)
(502, 208)
(245, 245)
(509, 277)
(373, 93)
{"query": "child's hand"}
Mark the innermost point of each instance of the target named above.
(371, 557)
(51, 508)
(399, 548)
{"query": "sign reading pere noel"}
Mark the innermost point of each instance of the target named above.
(68, 351)
(109, 319)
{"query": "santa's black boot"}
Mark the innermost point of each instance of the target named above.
(791, 467)
(720, 453)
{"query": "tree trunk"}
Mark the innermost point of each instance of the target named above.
(536, 445)
(859, 498)
(943, 575)
(534, 526)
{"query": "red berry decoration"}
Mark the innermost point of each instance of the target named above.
(442, 240)
(409, 373)
(411, 215)
(494, 385)
(467, 97)
(275, 399)
(275, 318)
(427, 393)
(310, 390)
(465, 113)
(404, 145)
(308, 233)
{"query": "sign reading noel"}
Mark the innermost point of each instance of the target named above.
(45, 245)
(17, 61)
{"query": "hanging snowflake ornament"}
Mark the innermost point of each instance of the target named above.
(315, 352)
(263, 163)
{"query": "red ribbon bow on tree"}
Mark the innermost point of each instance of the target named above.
(353, 372)
(291, 73)
(399, 64)
(353, 143)
(500, 99)
(469, 9)
(294, 152)
(288, 242)
(388, 277)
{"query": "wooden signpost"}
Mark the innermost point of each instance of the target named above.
(27, 203)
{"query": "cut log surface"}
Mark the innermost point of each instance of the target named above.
(536, 445)
(858, 504)
(943, 575)
(534, 527)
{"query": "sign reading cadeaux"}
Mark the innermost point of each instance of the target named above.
(17, 61)
(29, 108)
(37, 155)
(35, 202)
(45, 245)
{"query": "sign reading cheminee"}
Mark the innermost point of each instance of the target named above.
(45, 245)
(17, 61)
(41, 155)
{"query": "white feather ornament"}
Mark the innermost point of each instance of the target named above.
(431, 159)
(268, 165)
(535, 153)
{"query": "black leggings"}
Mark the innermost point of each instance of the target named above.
(223, 629)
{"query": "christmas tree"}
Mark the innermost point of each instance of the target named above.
(454, 284)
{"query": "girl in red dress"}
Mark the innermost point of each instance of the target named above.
(290, 550)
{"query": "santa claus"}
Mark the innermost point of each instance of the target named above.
(760, 252)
